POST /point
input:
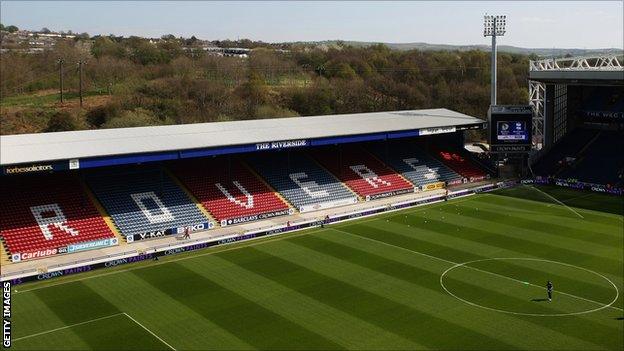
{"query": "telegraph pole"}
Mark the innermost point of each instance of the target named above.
(80, 64)
(60, 62)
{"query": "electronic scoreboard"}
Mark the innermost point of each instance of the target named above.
(510, 128)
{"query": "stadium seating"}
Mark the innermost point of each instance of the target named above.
(458, 162)
(600, 161)
(415, 165)
(228, 190)
(554, 161)
(41, 214)
(144, 200)
(361, 171)
(301, 181)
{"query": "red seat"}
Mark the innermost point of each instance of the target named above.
(40, 214)
(361, 171)
(228, 190)
(460, 164)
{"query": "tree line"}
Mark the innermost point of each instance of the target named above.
(172, 80)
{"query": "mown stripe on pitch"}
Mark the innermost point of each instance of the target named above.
(534, 232)
(524, 247)
(409, 295)
(333, 324)
(596, 317)
(582, 328)
(396, 269)
(538, 240)
(417, 275)
(594, 213)
(415, 260)
(282, 265)
(75, 303)
(583, 229)
(374, 230)
(231, 311)
(180, 325)
(575, 232)
(32, 315)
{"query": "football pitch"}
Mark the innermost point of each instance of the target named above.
(469, 273)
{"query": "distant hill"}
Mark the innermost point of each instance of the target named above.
(544, 52)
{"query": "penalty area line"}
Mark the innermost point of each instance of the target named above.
(149, 331)
(68, 326)
(557, 200)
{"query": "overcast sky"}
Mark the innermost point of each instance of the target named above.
(563, 24)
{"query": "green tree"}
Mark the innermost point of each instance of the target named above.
(255, 92)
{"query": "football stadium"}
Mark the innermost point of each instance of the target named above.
(376, 230)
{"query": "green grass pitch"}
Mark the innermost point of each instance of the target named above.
(395, 281)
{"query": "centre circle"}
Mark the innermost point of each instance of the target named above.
(521, 286)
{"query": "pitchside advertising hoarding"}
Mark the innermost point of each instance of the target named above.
(510, 128)
(88, 245)
(168, 231)
(255, 217)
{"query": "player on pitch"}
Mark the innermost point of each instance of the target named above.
(549, 289)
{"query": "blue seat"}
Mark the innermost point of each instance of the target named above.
(146, 200)
(414, 164)
(300, 180)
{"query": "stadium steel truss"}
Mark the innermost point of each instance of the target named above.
(537, 89)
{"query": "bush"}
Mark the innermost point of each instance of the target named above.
(136, 118)
(101, 114)
(61, 121)
(268, 111)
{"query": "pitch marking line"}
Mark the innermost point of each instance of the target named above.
(610, 305)
(95, 320)
(68, 326)
(559, 202)
(149, 331)
(465, 265)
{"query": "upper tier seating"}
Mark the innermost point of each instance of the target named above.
(361, 171)
(601, 161)
(460, 164)
(45, 213)
(144, 200)
(228, 190)
(301, 181)
(415, 165)
(567, 147)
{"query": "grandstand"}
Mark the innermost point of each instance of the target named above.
(229, 190)
(152, 182)
(416, 165)
(362, 172)
(45, 215)
(459, 162)
(144, 200)
(302, 182)
(580, 120)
